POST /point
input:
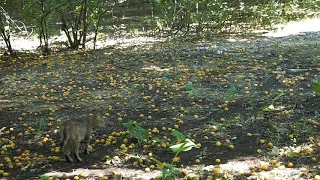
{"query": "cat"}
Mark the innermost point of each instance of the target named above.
(76, 131)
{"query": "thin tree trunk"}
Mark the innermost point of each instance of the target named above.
(6, 39)
(65, 29)
(84, 21)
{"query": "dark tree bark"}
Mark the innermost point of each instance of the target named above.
(6, 37)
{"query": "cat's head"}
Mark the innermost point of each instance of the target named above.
(97, 120)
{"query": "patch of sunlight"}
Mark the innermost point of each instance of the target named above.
(126, 42)
(156, 68)
(32, 43)
(295, 27)
(241, 166)
(99, 173)
(5, 101)
(238, 40)
(304, 149)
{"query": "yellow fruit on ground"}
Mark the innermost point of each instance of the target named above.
(64, 176)
(304, 169)
(290, 165)
(316, 177)
(185, 172)
(273, 161)
(218, 143)
(176, 159)
(216, 171)
(264, 167)
(82, 175)
(290, 136)
(147, 169)
(105, 178)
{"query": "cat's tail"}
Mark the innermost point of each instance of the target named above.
(64, 136)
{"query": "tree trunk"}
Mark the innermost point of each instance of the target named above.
(6, 39)
(65, 30)
(84, 21)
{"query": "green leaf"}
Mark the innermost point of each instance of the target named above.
(232, 91)
(252, 100)
(179, 135)
(157, 140)
(277, 97)
(265, 108)
(186, 146)
(188, 86)
(164, 78)
(169, 172)
(159, 163)
(190, 94)
(166, 73)
(316, 87)
(127, 124)
(138, 132)
(42, 123)
(260, 116)
(215, 67)
(214, 123)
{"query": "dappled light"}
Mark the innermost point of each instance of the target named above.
(103, 173)
(156, 68)
(295, 28)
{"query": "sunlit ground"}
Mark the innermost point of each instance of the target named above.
(294, 28)
(237, 167)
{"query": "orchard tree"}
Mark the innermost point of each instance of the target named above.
(74, 17)
(41, 13)
(9, 26)
(98, 11)
(5, 23)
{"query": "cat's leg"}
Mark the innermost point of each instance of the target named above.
(66, 152)
(76, 151)
(86, 142)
